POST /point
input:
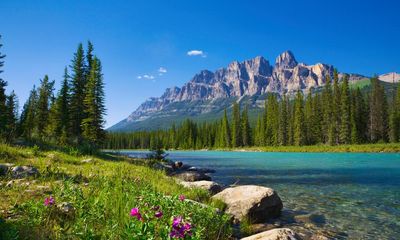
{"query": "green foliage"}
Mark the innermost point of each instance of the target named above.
(334, 115)
(102, 194)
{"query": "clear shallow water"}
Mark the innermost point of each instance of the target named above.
(354, 195)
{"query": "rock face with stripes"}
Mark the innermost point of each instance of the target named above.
(251, 77)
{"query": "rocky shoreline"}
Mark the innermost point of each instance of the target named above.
(258, 205)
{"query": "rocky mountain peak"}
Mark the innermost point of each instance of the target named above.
(285, 60)
(253, 77)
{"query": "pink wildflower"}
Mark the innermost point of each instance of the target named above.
(182, 197)
(135, 213)
(158, 214)
(49, 201)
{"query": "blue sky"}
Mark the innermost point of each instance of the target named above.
(137, 38)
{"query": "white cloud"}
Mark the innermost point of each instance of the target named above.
(148, 76)
(196, 53)
(162, 70)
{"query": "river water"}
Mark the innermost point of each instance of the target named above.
(347, 195)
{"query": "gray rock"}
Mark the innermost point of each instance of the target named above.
(251, 202)
(24, 171)
(163, 167)
(89, 160)
(203, 170)
(210, 186)
(178, 164)
(192, 176)
(275, 234)
(66, 208)
(4, 168)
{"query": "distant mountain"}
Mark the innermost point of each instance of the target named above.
(208, 93)
(390, 77)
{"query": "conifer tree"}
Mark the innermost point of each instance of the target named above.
(236, 126)
(284, 124)
(43, 105)
(94, 109)
(3, 98)
(225, 137)
(246, 130)
(259, 132)
(272, 121)
(28, 122)
(78, 84)
(308, 119)
(378, 112)
(61, 111)
(328, 117)
(345, 130)
(298, 124)
(12, 116)
(395, 117)
(336, 109)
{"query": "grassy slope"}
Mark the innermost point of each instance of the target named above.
(102, 193)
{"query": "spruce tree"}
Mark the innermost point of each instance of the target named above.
(328, 115)
(298, 124)
(3, 99)
(236, 126)
(92, 125)
(378, 124)
(78, 84)
(12, 116)
(246, 130)
(336, 109)
(28, 124)
(308, 119)
(61, 111)
(43, 105)
(284, 124)
(395, 117)
(225, 137)
(345, 120)
(272, 121)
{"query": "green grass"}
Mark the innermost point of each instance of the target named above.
(377, 147)
(102, 193)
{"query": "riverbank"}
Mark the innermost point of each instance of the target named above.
(353, 148)
(56, 195)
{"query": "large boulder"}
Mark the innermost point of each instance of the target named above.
(24, 171)
(192, 176)
(210, 186)
(274, 234)
(254, 203)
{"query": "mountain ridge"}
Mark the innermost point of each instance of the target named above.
(252, 77)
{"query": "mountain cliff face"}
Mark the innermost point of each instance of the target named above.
(252, 77)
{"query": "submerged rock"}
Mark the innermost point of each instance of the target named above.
(24, 171)
(192, 176)
(203, 170)
(210, 186)
(251, 202)
(274, 234)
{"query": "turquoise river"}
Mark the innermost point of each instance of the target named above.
(347, 195)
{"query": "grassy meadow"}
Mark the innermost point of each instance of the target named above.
(104, 190)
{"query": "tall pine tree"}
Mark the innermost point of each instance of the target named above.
(78, 85)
